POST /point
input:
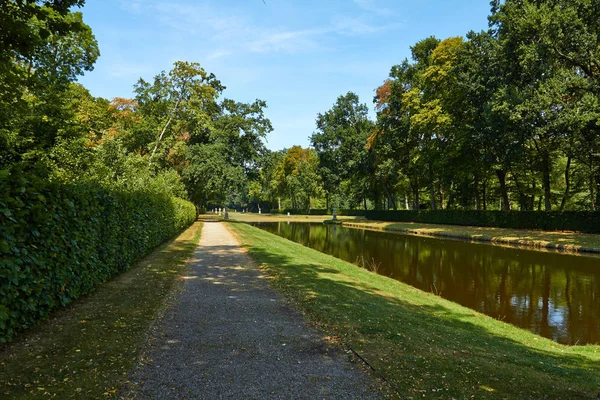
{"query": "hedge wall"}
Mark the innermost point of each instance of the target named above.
(581, 221)
(60, 242)
(318, 211)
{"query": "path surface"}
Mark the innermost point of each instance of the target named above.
(229, 336)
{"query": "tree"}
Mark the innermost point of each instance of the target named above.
(340, 142)
(210, 177)
(44, 48)
(184, 100)
(242, 128)
(552, 47)
(398, 103)
(266, 186)
(296, 176)
(548, 30)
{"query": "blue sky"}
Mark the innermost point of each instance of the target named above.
(298, 55)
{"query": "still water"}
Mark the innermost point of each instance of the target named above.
(551, 294)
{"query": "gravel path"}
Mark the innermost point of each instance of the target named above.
(229, 336)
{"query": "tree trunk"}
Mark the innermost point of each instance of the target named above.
(416, 204)
(431, 187)
(592, 197)
(501, 174)
(532, 198)
(597, 190)
(441, 192)
(477, 197)
(567, 184)
(484, 195)
(365, 202)
(451, 197)
(171, 114)
(390, 199)
(546, 178)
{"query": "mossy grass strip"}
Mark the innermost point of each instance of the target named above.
(87, 350)
(428, 346)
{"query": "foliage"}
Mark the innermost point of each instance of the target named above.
(176, 102)
(340, 144)
(88, 349)
(44, 48)
(210, 177)
(90, 184)
(59, 242)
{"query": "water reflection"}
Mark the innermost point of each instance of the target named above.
(554, 295)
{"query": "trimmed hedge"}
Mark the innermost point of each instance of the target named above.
(294, 211)
(318, 211)
(580, 221)
(59, 242)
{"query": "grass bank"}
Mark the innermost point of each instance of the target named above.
(429, 347)
(572, 242)
(87, 350)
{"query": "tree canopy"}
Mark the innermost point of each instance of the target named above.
(506, 118)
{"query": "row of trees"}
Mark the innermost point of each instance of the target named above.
(176, 134)
(506, 118)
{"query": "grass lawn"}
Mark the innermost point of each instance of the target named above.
(566, 241)
(429, 347)
(87, 350)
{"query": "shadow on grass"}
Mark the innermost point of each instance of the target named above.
(424, 344)
(87, 350)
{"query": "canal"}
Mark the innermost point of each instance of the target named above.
(552, 294)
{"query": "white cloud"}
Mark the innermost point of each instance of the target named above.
(284, 41)
(218, 54)
(369, 5)
(356, 26)
(231, 33)
(132, 6)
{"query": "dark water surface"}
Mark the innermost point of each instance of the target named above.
(554, 295)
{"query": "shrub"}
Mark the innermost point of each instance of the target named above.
(59, 242)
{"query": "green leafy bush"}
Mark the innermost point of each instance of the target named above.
(579, 221)
(59, 242)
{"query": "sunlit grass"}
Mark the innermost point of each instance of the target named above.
(88, 350)
(564, 241)
(428, 346)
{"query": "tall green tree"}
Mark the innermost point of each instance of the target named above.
(552, 47)
(44, 47)
(340, 142)
(180, 102)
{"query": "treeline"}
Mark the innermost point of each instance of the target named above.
(176, 133)
(89, 185)
(506, 119)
